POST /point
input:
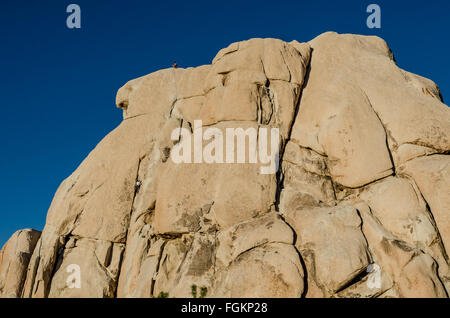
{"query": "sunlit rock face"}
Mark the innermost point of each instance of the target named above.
(358, 207)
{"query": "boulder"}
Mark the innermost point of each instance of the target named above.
(355, 203)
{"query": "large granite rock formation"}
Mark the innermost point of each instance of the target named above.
(359, 207)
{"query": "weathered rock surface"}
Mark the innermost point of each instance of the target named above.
(359, 207)
(14, 259)
(332, 243)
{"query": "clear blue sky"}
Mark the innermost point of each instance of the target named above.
(58, 85)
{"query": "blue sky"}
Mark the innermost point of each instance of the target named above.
(58, 85)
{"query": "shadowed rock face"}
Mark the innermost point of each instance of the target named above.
(358, 208)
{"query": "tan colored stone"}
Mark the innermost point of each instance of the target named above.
(409, 115)
(98, 262)
(95, 201)
(424, 85)
(273, 270)
(14, 259)
(359, 140)
(402, 211)
(306, 181)
(414, 273)
(245, 236)
(337, 120)
(432, 176)
(244, 78)
(408, 152)
(186, 261)
(333, 235)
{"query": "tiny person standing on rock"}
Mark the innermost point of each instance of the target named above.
(175, 64)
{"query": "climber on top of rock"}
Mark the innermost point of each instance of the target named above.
(175, 64)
